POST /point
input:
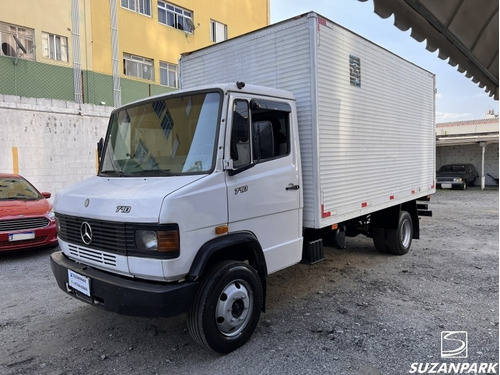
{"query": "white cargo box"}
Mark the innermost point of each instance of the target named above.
(366, 116)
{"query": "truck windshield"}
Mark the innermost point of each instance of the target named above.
(169, 136)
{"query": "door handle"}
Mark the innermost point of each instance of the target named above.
(292, 187)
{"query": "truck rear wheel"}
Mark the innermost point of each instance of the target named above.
(227, 307)
(399, 240)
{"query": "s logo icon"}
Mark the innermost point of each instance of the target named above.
(454, 344)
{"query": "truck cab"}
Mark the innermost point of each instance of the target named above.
(197, 199)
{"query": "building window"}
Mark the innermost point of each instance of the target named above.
(176, 17)
(138, 6)
(54, 47)
(168, 74)
(218, 31)
(16, 41)
(137, 66)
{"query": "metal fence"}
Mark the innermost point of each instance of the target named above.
(27, 78)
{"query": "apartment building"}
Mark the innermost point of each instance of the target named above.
(111, 52)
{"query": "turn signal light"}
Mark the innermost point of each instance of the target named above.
(221, 229)
(168, 241)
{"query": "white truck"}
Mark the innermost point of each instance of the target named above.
(204, 192)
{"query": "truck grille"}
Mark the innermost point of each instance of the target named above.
(106, 235)
(92, 255)
(22, 224)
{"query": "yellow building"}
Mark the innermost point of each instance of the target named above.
(111, 51)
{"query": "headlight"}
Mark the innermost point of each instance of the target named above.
(51, 215)
(457, 179)
(160, 241)
(146, 240)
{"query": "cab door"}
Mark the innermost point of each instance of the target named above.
(264, 195)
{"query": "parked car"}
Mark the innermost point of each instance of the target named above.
(456, 176)
(26, 216)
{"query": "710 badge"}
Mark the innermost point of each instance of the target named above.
(79, 282)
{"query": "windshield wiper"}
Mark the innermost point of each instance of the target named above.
(161, 172)
(112, 173)
(152, 172)
(149, 172)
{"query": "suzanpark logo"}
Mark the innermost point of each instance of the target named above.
(454, 346)
(454, 368)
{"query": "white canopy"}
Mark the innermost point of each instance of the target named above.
(464, 31)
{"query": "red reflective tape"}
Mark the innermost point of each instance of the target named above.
(364, 204)
(321, 21)
(391, 197)
(413, 191)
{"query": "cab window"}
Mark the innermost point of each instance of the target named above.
(260, 131)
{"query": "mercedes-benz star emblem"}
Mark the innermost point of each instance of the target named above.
(86, 233)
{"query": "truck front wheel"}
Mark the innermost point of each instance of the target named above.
(227, 307)
(399, 240)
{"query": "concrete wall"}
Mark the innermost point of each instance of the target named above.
(471, 154)
(50, 142)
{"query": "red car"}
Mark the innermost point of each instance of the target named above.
(26, 216)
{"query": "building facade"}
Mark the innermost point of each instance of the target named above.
(111, 51)
(64, 65)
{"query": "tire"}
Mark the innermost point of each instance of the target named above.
(380, 240)
(399, 240)
(338, 238)
(227, 307)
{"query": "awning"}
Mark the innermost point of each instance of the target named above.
(464, 31)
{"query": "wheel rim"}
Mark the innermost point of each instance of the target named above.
(234, 308)
(405, 233)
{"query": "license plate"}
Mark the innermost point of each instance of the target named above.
(21, 236)
(79, 282)
(446, 186)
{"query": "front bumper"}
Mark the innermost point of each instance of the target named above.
(124, 295)
(450, 184)
(46, 236)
